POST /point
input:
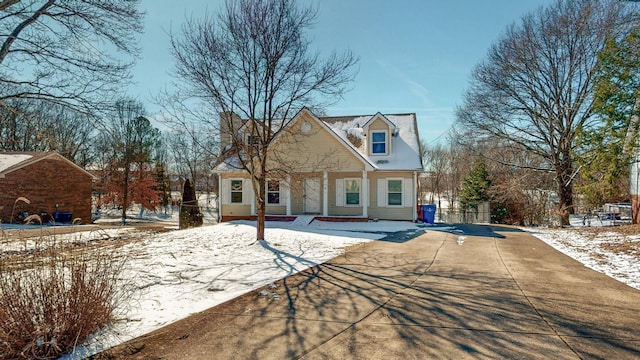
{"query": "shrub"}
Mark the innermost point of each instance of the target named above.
(190, 215)
(55, 298)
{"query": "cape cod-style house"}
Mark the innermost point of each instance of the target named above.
(348, 168)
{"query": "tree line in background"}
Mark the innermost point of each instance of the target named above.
(458, 180)
(63, 63)
(550, 116)
(135, 162)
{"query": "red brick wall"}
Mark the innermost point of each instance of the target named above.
(46, 183)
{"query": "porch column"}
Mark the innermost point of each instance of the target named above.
(252, 198)
(325, 193)
(218, 198)
(415, 197)
(365, 194)
(288, 195)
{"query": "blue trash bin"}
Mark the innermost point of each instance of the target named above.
(62, 217)
(428, 213)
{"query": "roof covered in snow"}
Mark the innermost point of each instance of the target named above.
(405, 144)
(11, 161)
(8, 160)
(404, 151)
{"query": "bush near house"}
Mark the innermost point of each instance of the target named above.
(190, 215)
(53, 298)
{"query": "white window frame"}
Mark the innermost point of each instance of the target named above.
(279, 192)
(346, 198)
(252, 140)
(402, 190)
(386, 142)
(241, 191)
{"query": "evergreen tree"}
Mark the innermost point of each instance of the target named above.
(610, 146)
(534, 90)
(190, 215)
(475, 187)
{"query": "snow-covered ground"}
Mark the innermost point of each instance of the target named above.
(177, 273)
(614, 251)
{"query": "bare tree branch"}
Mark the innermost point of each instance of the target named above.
(535, 88)
(72, 53)
(253, 60)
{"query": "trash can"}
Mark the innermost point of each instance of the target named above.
(428, 213)
(62, 217)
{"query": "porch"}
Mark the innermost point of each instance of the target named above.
(291, 218)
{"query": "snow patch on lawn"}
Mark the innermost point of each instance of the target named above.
(178, 273)
(603, 249)
(597, 253)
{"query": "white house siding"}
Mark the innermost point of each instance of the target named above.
(376, 182)
(235, 209)
(328, 150)
(379, 209)
(276, 210)
(343, 210)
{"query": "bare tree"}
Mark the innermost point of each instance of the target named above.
(128, 141)
(31, 125)
(535, 87)
(436, 164)
(519, 194)
(193, 152)
(253, 60)
(69, 53)
(67, 132)
(18, 131)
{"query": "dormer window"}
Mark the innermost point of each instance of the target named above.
(379, 142)
(252, 140)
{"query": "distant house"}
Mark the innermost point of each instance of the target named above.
(358, 167)
(52, 185)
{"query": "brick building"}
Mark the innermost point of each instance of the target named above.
(52, 184)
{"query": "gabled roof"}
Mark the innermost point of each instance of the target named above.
(12, 161)
(358, 154)
(405, 154)
(379, 115)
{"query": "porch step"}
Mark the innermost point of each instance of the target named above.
(303, 220)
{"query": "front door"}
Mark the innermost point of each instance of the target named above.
(312, 196)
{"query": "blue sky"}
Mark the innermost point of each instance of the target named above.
(416, 56)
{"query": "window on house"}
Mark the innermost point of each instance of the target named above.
(236, 191)
(352, 191)
(378, 142)
(273, 192)
(394, 192)
(252, 140)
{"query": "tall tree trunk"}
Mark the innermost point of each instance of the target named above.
(125, 194)
(261, 207)
(565, 206)
(565, 175)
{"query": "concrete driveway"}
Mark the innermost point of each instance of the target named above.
(499, 294)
